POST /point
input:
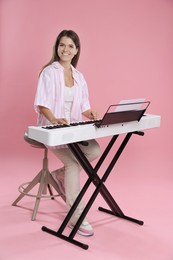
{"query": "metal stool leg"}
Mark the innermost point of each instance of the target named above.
(45, 180)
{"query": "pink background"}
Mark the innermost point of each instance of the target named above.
(126, 53)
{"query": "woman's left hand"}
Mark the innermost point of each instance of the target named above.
(93, 115)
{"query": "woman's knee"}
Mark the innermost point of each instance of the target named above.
(94, 150)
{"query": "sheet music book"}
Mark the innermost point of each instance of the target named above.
(131, 104)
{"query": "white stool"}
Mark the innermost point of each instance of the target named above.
(44, 178)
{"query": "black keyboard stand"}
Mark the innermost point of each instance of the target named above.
(100, 187)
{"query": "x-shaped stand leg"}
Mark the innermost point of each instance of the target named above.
(100, 188)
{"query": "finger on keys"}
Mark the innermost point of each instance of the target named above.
(60, 121)
(94, 115)
(64, 121)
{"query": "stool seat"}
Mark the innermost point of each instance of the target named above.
(33, 142)
(43, 178)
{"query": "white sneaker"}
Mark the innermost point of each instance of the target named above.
(85, 229)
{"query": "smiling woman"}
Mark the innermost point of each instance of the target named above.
(62, 98)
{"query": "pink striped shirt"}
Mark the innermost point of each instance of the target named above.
(50, 93)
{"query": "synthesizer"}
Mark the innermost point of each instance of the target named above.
(59, 135)
(64, 134)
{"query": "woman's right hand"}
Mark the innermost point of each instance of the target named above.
(59, 121)
(50, 116)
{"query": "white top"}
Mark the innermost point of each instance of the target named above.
(68, 101)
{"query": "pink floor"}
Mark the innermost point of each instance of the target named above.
(143, 190)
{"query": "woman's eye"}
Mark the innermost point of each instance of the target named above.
(63, 45)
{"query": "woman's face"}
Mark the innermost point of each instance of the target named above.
(66, 50)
